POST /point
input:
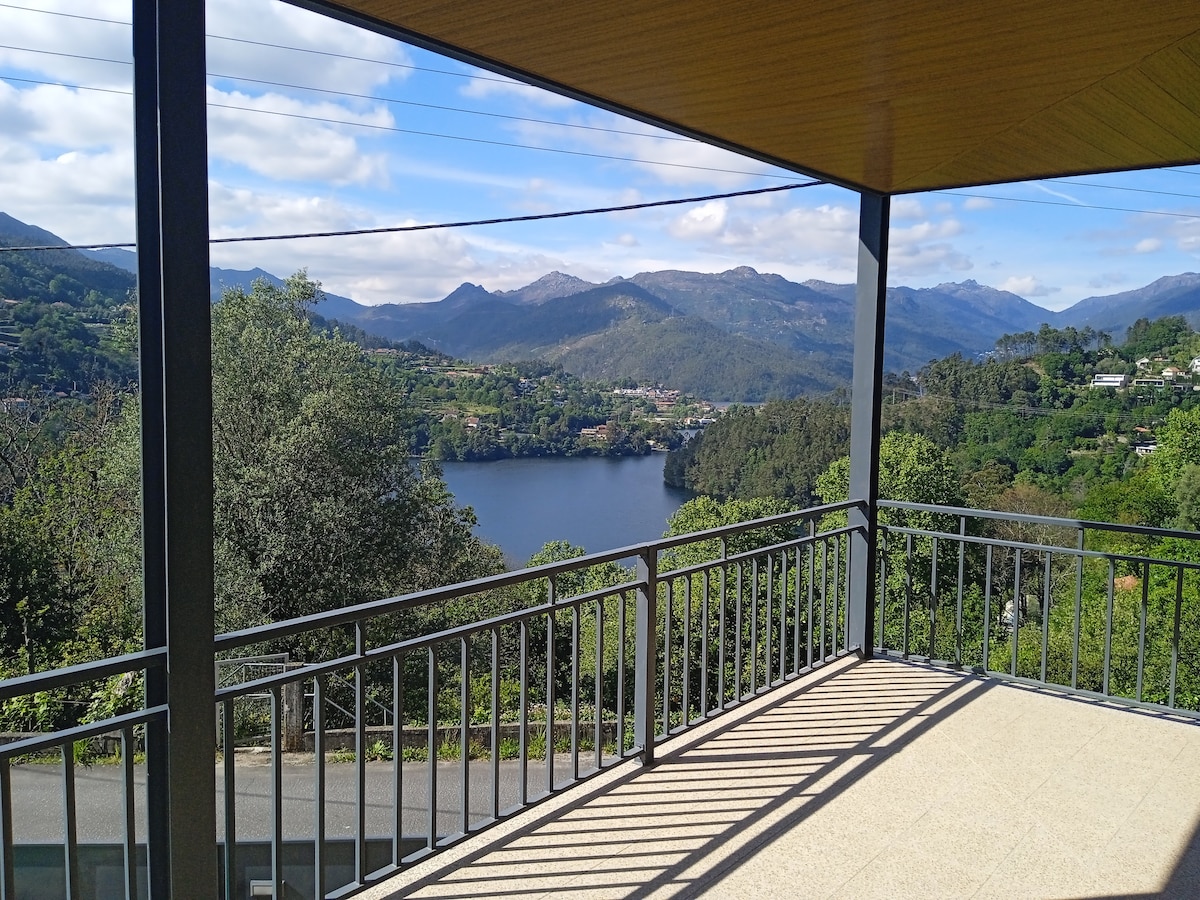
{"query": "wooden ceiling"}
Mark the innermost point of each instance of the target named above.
(900, 96)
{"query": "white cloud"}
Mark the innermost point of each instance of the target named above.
(907, 208)
(974, 204)
(1148, 245)
(1026, 286)
(286, 147)
(75, 38)
(272, 23)
(707, 220)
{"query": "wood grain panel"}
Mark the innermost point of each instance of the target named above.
(890, 96)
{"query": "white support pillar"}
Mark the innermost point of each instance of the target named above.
(869, 315)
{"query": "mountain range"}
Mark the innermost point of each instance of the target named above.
(734, 335)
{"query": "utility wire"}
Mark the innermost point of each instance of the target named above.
(493, 143)
(301, 87)
(222, 37)
(1148, 212)
(398, 229)
(456, 109)
(51, 12)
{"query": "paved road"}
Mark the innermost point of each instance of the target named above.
(37, 798)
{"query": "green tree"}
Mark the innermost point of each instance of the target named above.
(317, 504)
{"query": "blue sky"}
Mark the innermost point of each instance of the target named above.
(363, 154)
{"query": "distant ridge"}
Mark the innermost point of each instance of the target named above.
(733, 335)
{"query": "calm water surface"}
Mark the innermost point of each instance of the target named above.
(595, 503)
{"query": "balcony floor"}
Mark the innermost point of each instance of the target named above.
(865, 779)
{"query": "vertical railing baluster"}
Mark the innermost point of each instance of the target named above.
(1175, 634)
(319, 789)
(495, 724)
(360, 754)
(722, 650)
(277, 889)
(962, 571)
(1046, 617)
(837, 593)
(796, 600)
(523, 718)
(575, 651)
(1108, 617)
(908, 594)
(722, 638)
(704, 630)
(754, 626)
(8, 889)
(1141, 658)
(812, 581)
(464, 732)
(644, 654)
(622, 639)
(70, 823)
(397, 758)
(128, 812)
(550, 697)
(1078, 617)
(824, 593)
(1016, 609)
(783, 598)
(934, 598)
(881, 606)
(668, 604)
(431, 747)
(229, 773)
(686, 697)
(598, 734)
(768, 621)
(739, 628)
(986, 648)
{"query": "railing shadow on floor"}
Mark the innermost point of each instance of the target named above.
(714, 798)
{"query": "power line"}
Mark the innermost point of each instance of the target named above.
(378, 62)
(1148, 212)
(103, 59)
(223, 37)
(472, 112)
(398, 229)
(51, 12)
(1115, 187)
(301, 87)
(493, 143)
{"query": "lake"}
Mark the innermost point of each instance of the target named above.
(592, 502)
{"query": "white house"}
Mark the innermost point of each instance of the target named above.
(1109, 381)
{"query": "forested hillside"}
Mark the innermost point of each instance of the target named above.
(1023, 430)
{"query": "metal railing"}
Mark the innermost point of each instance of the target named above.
(1082, 606)
(63, 743)
(542, 678)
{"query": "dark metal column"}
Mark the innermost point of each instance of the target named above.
(176, 378)
(869, 315)
(154, 562)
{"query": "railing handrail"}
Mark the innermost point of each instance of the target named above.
(66, 736)
(353, 614)
(421, 642)
(1039, 548)
(1029, 518)
(139, 661)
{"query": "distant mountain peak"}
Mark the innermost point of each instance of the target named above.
(550, 286)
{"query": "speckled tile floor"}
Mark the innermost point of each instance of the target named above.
(866, 779)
